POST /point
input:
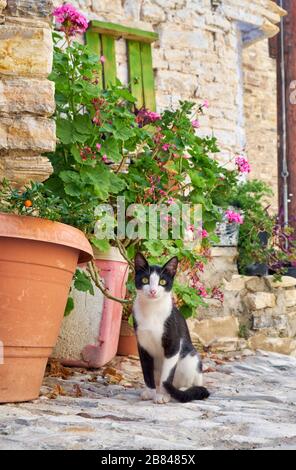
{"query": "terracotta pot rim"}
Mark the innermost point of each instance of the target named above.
(44, 230)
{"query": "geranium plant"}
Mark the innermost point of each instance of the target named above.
(107, 147)
(263, 239)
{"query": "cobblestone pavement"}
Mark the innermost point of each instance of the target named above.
(252, 406)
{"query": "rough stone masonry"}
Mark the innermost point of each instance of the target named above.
(26, 95)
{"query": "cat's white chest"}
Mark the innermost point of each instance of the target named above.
(150, 318)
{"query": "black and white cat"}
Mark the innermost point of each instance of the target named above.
(171, 365)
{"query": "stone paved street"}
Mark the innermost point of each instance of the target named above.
(252, 406)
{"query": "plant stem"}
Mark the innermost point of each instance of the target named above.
(95, 276)
(123, 253)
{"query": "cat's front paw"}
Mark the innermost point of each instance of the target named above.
(162, 398)
(148, 394)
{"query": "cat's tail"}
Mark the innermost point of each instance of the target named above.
(184, 396)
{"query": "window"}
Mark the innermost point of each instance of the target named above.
(101, 38)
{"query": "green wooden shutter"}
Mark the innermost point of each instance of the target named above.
(102, 44)
(135, 71)
(93, 41)
(148, 76)
(141, 74)
(109, 67)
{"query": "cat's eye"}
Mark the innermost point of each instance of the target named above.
(145, 280)
(162, 282)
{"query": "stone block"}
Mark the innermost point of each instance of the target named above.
(236, 283)
(24, 95)
(2, 5)
(290, 296)
(225, 345)
(261, 321)
(37, 135)
(20, 170)
(260, 300)
(25, 51)
(278, 345)
(256, 284)
(29, 8)
(152, 13)
(285, 282)
(211, 330)
(169, 37)
(291, 319)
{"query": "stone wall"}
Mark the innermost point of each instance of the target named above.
(26, 96)
(260, 100)
(257, 313)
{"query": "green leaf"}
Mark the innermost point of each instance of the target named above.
(69, 306)
(116, 183)
(73, 184)
(110, 147)
(131, 321)
(76, 154)
(186, 311)
(102, 245)
(83, 283)
(83, 124)
(197, 180)
(99, 178)
(65, 131)
(69, 176)
(122, 131)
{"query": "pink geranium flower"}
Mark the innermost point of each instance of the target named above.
(242, 164)
(165, 147)
(234, 217)
(170, 201)
(206, 104)
(71, 20)
(204, 233)
(195, 124)
(144, 117)
(102, 59)
(201, 289)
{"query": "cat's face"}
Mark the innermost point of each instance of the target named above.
(154, 282)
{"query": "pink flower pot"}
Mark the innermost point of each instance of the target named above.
(114, 271)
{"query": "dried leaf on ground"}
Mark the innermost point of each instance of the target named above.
(112, 375)
(208, 370)
(93, 379)
(55, 392)
(55, 369)
(77, 391)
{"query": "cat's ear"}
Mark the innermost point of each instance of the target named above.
(171, 266)
(140, 262)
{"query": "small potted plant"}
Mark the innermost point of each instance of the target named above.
(127, 345)
(282, 259)
(264, 245)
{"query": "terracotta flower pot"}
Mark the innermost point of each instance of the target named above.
(37, 261)
(127, 345)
